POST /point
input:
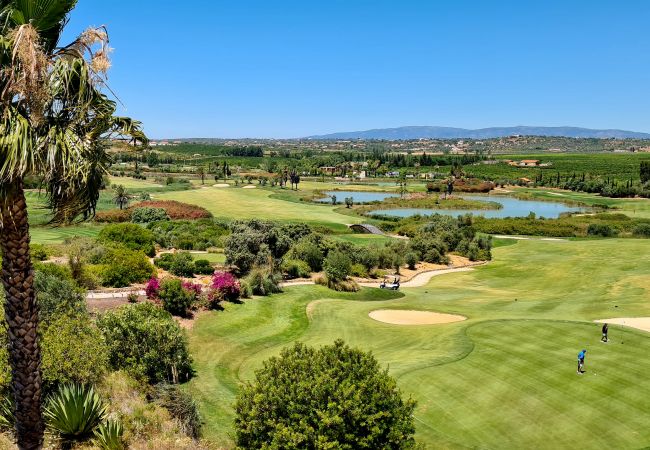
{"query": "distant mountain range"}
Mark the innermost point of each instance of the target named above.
(405, 133)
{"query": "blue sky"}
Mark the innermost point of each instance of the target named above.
(284, 68)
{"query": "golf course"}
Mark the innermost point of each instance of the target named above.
(505, 377)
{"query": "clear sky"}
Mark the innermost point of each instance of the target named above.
(292, 68)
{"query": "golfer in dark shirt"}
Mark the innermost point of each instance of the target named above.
(605, 330)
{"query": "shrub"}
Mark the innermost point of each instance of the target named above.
(73, 351)
(178, 210)
(203, 267)
(109, 435)
(358, 270)
(348, 285)
(123, 267)
(56, 296)
(308, 251)
(152, 288)
(74, 412)
(132, 236)
(148, 215)
(341, 395)
(147, 343)
(337, 266)
(38, 252)
(263, 281)
(295, 268)
(642, 230)
(226, 286)
(176, 299)
(113, 216)
(182, 407)
(601, 229)
(190, 235)
(411, 260)
(180, 264)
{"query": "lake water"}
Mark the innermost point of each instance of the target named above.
(511, 207)
(357, 197)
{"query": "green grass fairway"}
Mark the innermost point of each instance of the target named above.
(505, 378)
(240, 203)
(56, 235)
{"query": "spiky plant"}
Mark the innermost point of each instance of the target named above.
(108, 436)
(74, 412)
(120, 196)
(54, 118)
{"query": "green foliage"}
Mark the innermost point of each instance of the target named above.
(601, 229)
(203, 267)
(180, 264)
(148, 215)
(295, 268)
(146, 342)
(642, 230)
(182, 407)
(130, 235)
(337, 266)
(38, 252)
(411, 260)
(343, 400)
(122, 267)
(308, 251)
(74, 412)
(109, 435)
(262, 281)
(358, 270)
(190, 235)
(175, 299)
(73, 351)
(57, 296)
(7, 418)
(644, 171)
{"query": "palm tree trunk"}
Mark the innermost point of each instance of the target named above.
(21, 313)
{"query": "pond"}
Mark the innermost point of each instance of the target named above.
(510, 207)
(357, 196)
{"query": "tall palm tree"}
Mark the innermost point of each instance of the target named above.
(54, 119)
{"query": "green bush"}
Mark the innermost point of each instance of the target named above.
(73, 351)
(262, 281)
(131, 235)
(175, 298)
(74, 412)
(642, 230)
(337, 266)
(308, 251)
(601, 229)
(358, 270)
(148, 215)
(38, 252)
(181, 406)
(295, 268)
(122, 267)
(203, 267)
(411, 260)
(342, 397)
(180, 264)
(56, 296)
(147, 343)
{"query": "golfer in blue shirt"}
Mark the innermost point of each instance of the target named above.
(581, 361)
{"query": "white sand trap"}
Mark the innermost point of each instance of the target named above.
(640, 323)
(249, 187)
(221, 185)
(406, 317)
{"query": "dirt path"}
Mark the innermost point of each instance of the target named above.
(423, 278)
(640, 323)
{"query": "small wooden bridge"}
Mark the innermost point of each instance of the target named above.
(366, 228)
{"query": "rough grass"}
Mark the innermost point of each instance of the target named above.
(505, 378)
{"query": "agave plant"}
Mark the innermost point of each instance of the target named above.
(7, 418)
(108, 436)
(74, 412)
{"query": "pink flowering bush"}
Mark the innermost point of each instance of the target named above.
(194, 288)
(225, 286)
(153, 288)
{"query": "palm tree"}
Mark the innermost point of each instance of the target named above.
(54, 119)
(121, 198)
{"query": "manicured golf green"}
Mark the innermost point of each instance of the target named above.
(505, 378)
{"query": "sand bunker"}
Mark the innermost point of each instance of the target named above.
(221, 185)
(249, 187)
(405, 317)
(640, 323)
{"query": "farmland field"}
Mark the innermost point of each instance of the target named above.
(504, 378)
